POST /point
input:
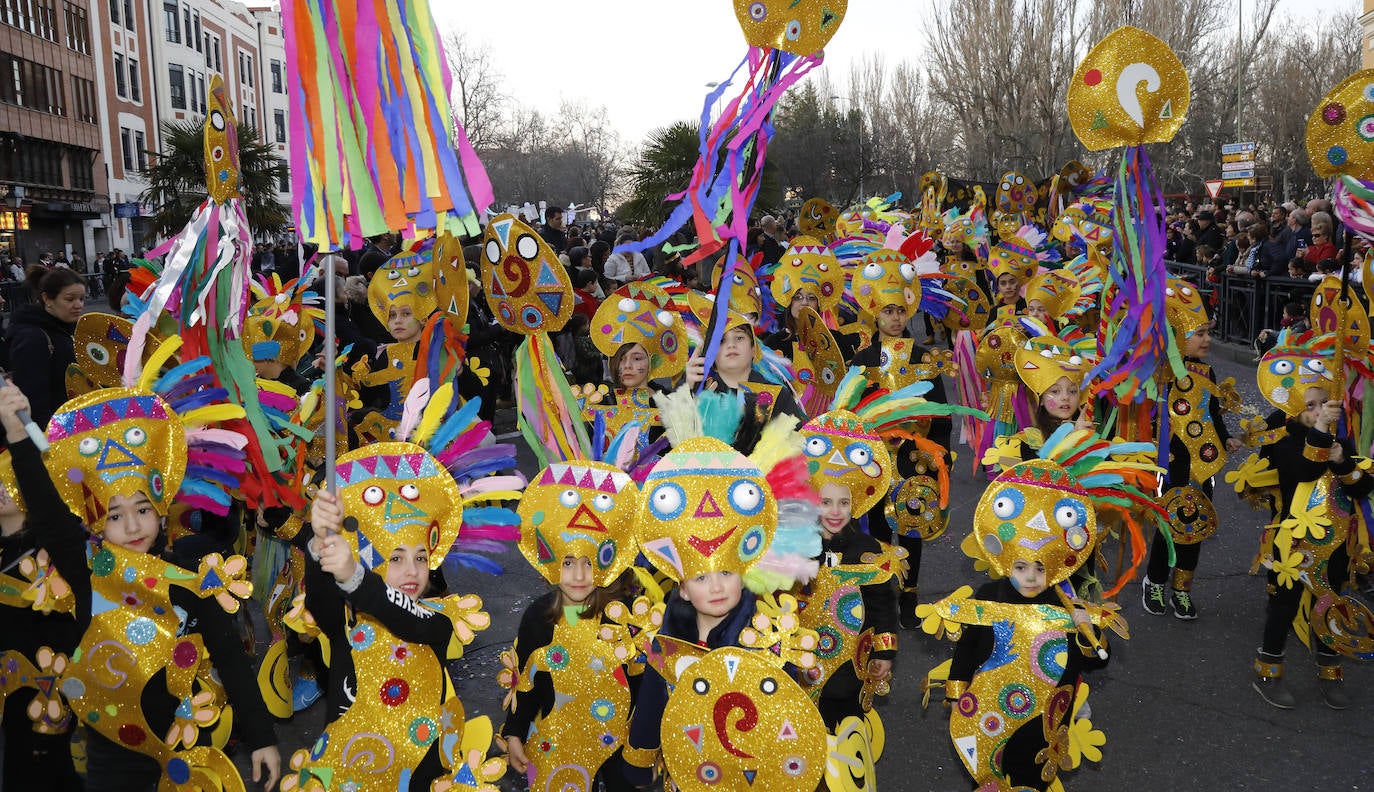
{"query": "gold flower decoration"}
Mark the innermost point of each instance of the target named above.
(1085, 742)
(193, 714)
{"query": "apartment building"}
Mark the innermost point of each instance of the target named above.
(53, 187)
(156, 65)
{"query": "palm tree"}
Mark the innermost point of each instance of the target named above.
(664, 167)
(176, 180)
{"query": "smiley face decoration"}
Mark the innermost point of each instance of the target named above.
(526, 285)
(1130, 89)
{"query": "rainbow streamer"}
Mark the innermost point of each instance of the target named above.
(375, 146)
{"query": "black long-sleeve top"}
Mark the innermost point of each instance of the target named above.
(41, 348)
(60, 532)
(1290, 457)
(535, 632)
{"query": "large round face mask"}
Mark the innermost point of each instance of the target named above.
(810, 265)
(1286, 373)
(407, 278)
(640, 314)
(1035, 511)
(579, 509)
(800, 27)
(527, 288)
(886, 277)
(841, 450)
(706, 508)
(116, 441)
(398, 494)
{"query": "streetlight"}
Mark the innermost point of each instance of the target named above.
(854, 108)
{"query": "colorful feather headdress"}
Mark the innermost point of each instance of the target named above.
(158, 437)
(283, 322)
(848, 445)
(706, 507)
(424, 488)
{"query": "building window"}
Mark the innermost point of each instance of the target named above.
(276, 77)
(140, 151)
(126, 145)
(78, 30)
(245, 68)
(186, 17)
(172, 19)
(201, 79)
(120, 86)
(219, 60)
(198, 43)
(114, 12)
(79, 161)
(83, 100)
(178, 93)
(129, 14)
(284, 183)
(252, 116)
(32, 85)
(135, 88)
(279, 120)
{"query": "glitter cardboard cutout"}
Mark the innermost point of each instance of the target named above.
(1130, 89)
(527, 287)
(808, 264)
(1340, 131)
(399, 495)
(841, 450)
(800, 27)
(580, 509)
(640, 314)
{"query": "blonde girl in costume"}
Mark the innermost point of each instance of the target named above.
(1024, 639)
(1052, 370)
(725, 526)
(401, 508)
(118, 458)
(1012, 263)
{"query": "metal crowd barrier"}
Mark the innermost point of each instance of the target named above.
(1242, 306)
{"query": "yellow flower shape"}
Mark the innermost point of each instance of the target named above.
(1253, 473)
(476, 366)
(47, 710)
(1005, 447)
(1307, 522)
(777, 628)
(467, 615)
(933, 623)
(297, 777)
(1287, 566)
(1055, 754)
(193, 714)
(47, 590)
(226, 580)
(507, 676)
(632, 628)
(973, 550)
(1085, 742)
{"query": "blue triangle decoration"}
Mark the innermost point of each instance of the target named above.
(100, 605)
(212, 580)
(554, 300)
(546, 276)
(128, 459)
(750, 775)
(503, 230)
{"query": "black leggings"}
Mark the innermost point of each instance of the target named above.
(1284, 602)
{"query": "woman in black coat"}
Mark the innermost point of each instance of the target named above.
(41, 345)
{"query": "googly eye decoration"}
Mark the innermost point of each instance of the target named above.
(526, 286)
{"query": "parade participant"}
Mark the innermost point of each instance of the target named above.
(177, 645)
(807, 276)
(280, 329)
(887, 285)
(727, 528)
(851, 469)
(577, 532)
(1052, 370)
(40, 337)
(1198, 445)
(40, 632)
(1012, 262)
(1025, 638)
(408, 506)
(1049, 295)
(1322, 494)
(742, 366)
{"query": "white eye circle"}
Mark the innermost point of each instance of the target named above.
(410, 492)
(873, 270)
(817, 446)
(393, 274)
(1169, 291)
(527, 247)
(1074, 360)
(797, 261)
(1316, 365)
(493, 251)
(1067, 516)
(1282, 367)
(603, 502)
(859, 455)
(758, 11)
(667, 501)
(746, 497)
(135, 436)
(626, 304)
(664, 318)
(412, 272)
(1187, 292)
(373, 495)
(569, 498)
(1008, 504)
(88, 446)
(909, 271)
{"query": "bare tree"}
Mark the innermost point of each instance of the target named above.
(477, 95)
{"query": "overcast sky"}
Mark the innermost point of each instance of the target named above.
(648, 61)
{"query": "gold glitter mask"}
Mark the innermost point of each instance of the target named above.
(117, 441)
(706, 508)
(744, 295)
(706, 744)
(808, 264)
(1287, 371)
(279, 319)
(405, 279)
(1056, 290)
(639, 314)
(580, 509)
(1184, 309)
(800, 27)
(9, 481)
(1130, 89)
(1035, 511)
(1015, 194)
(102, 344)
(842, 450)
(886, 277)
(1044, 360)
(526, 285)
(1341, 128)
(398, 494)
(817, 219)
(1089, 219)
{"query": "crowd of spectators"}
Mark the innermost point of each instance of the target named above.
(1265, 241)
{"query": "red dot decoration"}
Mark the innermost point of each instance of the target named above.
(1092, 77)
(132, 735)
(185, 654)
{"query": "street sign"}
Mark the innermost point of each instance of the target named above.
(1239, 174)
(1246, 182)
(1244, 165)
(1237, 148)
(1213, 187)
(1248, 156)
